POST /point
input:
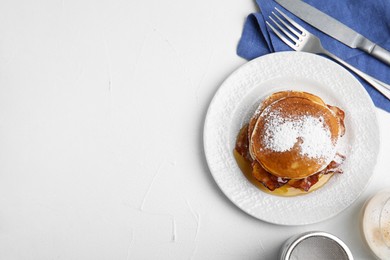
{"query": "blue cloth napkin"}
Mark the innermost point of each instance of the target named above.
(370, 18)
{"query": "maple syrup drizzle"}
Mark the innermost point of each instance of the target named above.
(286, 190)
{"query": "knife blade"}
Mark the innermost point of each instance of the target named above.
(334, 28)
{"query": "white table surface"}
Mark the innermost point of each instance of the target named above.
(102, 105)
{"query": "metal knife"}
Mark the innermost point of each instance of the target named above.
(334, 28)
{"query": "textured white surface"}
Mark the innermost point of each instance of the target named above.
(301, 72)
(102, 105)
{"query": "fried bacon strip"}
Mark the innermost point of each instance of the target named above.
(242, 143)
(334, 166)
(267, 179)
(340, 115)
(306, 183)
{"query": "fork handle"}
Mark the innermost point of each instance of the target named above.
(377, 84)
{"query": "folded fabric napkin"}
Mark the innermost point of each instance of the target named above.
(369, 18)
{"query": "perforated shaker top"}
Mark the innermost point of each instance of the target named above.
(318, 247)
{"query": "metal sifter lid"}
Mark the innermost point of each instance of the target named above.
(315, 245)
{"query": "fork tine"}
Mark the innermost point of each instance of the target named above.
(287, 26)
(284, 30)
(281, 36)
(292, 21)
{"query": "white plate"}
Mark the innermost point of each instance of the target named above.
(234, 103)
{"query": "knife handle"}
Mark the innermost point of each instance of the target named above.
(381, 54)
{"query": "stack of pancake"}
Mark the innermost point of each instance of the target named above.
(292, 140)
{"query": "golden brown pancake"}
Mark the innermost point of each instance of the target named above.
(275, 97)
(293, 134)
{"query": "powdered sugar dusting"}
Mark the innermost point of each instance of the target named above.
(310, 133)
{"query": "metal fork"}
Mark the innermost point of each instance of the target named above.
(303, 40)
